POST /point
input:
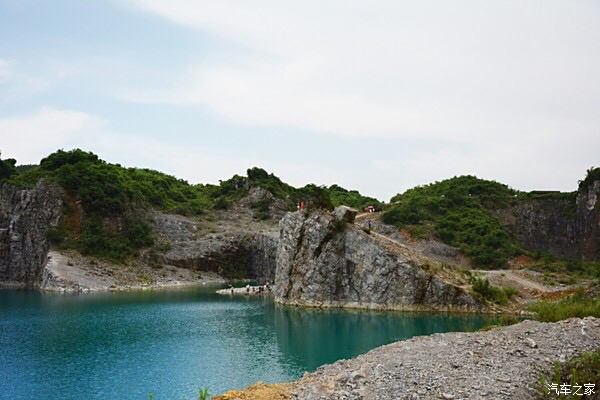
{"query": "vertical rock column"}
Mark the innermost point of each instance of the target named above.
(588, 220)
(25, 217)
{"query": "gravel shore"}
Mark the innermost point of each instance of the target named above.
(500, 363)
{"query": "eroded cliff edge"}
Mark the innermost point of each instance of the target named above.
(324, 260)
(25, 217)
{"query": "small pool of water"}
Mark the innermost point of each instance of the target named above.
(171, 343)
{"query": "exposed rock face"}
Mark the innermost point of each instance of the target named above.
(324, 261)
(346, 214)
(231, 253)
(588, 221)
(25, 216)
(546, 225)
(564, 227)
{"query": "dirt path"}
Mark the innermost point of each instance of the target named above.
(517, 279)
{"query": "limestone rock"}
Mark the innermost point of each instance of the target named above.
(345, 214)
(251, 254)
(319, 264)
(25, 217)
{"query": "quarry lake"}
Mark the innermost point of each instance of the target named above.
(171, 343)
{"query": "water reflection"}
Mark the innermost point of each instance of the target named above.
(123, 345)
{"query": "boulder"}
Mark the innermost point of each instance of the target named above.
(345, 213)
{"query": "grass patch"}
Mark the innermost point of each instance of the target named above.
(581, 370)
(577, 305)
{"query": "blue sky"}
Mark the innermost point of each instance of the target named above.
(377, 96)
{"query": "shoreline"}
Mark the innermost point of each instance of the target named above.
(452, 365)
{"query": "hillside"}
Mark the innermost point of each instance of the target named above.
(492, 223)
(105, 205)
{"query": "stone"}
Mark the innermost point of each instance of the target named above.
(427, 359)
(345, 214)
(318, 264)
(25, 217)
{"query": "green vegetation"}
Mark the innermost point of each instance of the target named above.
(110, 197)
(233, 189)
(352, 198)
(203, 394)
(593, 174)
(578, 305)
(498, 295)
(581, 370)
(7, 168)
(565, 269)
(459, 211)
(105, 203)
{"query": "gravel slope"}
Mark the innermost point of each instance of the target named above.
(497, 364)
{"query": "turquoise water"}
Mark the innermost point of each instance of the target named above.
(171, 343)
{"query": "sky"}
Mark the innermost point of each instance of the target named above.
(378, 96)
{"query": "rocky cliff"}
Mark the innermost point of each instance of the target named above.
(588, 220)
(545, 224)
(231, 249)
(323, 259)
(25, 217)
(564, 225)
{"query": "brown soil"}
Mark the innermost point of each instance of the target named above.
(259, 391)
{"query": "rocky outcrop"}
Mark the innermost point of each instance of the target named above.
(588, 220)
(325, 261)
(562, 224)
(25, 217)
(545, 224)
(232, 252)
(501, 363)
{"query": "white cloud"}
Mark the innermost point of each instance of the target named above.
(392, 68)
(29, 137)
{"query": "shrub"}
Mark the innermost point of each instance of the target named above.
(459, 212)
(498, 295)
(7, 168)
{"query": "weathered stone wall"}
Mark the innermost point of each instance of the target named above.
(588, 221)
(564, 227)
(324, 261)
(231, 252)
(545, 225)
(25, 216)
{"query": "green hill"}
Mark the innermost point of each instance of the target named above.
(105, 203)
(458, 211)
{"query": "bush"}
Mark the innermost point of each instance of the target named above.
(352, 198)
(485, 290)
(458, 210)
(7, 168)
